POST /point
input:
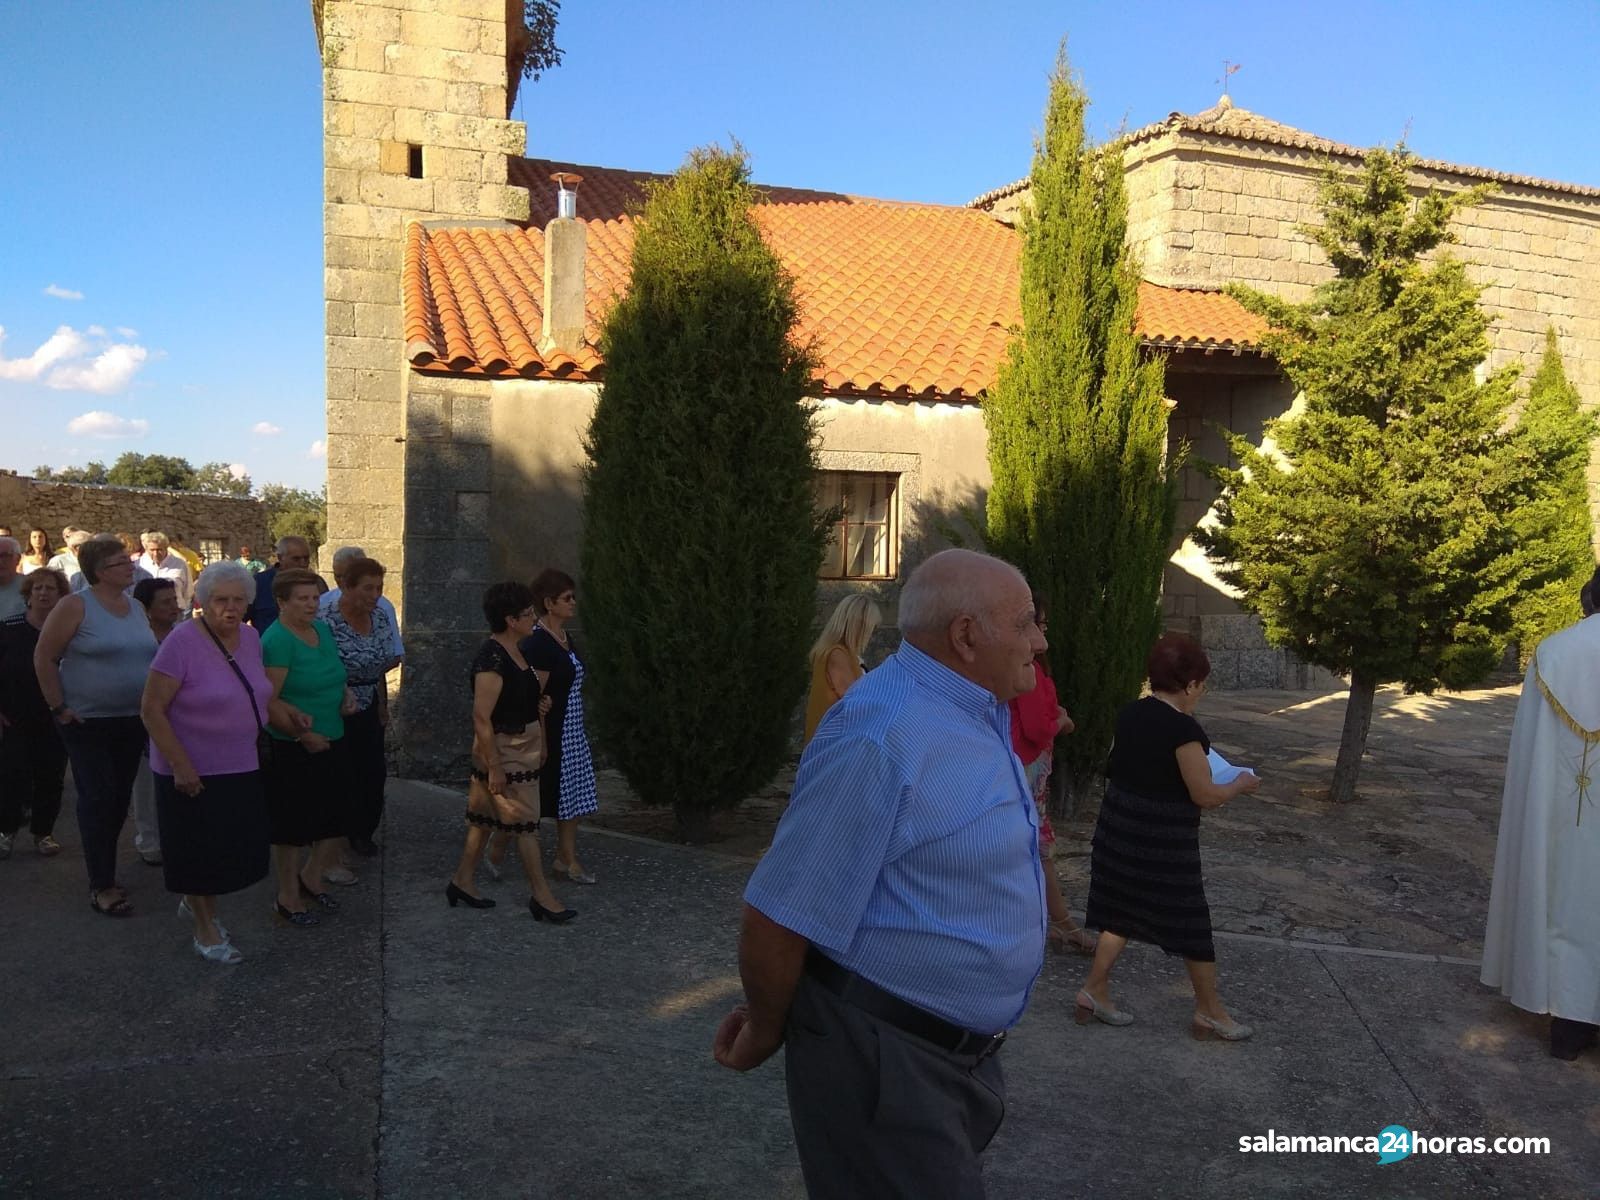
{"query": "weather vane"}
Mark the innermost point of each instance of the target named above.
(1228, 69)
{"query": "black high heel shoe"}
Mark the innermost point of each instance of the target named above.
(324, 900)
(541, 913)
(456, 896)
(303, 920)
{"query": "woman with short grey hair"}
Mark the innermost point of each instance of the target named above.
(206, 705)
(93, 654)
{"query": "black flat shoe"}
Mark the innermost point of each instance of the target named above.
(1568, 1038)
(541, 913)
(324, 900)
(303, 920)
(456, 896)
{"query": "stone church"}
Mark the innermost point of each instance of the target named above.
(464, 283)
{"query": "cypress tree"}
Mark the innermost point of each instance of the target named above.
(1083, 497)
(1555, 433)
(701, 541)
(1378, 538)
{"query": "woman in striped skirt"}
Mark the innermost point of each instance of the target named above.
(1145, 881)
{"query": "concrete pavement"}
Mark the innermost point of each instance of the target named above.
(406, 1049)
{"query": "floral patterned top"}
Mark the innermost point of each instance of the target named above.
(364, 654)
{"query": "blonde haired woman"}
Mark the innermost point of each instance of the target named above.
(836, 655)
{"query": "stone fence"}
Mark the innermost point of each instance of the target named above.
(212, 526)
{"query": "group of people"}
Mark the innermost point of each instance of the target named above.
(530, 752)
(923, 784)
(250, 738)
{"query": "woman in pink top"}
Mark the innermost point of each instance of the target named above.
(205, 703)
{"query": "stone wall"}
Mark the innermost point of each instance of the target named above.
(1208, 210)
(397, 75)
(189, 517)
(411, 84)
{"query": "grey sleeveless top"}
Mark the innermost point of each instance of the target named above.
(104, 668)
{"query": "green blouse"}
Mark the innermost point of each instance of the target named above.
(316, 679)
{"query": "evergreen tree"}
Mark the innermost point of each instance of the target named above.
(1378, 538)
(1083, 498)
(701, 541)
(296, 512)
(1556, 433)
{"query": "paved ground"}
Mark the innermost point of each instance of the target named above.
(405, 1049)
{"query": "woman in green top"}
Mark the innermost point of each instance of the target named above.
(305, 784)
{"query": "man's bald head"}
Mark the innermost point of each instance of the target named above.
(973, 613)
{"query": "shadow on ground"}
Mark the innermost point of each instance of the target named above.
(407, 1049)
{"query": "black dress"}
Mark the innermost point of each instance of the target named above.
(1145, 879)
(544, 653)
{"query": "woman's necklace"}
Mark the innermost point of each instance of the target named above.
(560, 635)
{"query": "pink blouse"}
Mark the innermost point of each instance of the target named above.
(211, 713)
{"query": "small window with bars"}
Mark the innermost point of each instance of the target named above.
(210, 551)
(865, 539)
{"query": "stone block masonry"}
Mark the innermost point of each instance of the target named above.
(188, 517)
(415, 128)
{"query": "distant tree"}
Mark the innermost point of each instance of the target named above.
(152, 471)
(701, 541)
(541, 52)
(1083, 499)
(1378, 538)
(1556, 432)
(218, 479)
(94, 473)
(296, 512)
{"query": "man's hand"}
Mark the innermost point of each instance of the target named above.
(739, 1046)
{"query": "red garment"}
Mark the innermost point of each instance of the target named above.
(1033, 717)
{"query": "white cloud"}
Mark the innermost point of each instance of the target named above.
(124, 331)
(238, 470)
(319, 449)
(107, 425)
(265, 429)
(110, 371)
(63, 362)
(61, 293)
(64, 343)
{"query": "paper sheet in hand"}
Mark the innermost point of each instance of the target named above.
(1223, 771)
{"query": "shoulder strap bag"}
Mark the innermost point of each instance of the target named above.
(263, 738)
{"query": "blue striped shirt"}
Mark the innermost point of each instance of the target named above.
(909, 852)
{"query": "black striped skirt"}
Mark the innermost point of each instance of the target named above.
(1145, 881)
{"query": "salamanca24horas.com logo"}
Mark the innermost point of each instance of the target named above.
(1390, 1144)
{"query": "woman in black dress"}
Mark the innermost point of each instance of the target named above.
(1145, 880)
(507, 753)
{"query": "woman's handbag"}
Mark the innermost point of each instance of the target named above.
(263, 738)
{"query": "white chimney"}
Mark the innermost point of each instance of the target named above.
(565, 248)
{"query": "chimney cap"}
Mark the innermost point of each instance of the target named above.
(565, 179)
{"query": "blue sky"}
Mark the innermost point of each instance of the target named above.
(160, 278)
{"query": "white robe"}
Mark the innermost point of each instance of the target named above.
(1542, 945)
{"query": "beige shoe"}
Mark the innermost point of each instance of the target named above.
(1088, 1009)
(1228, 1031)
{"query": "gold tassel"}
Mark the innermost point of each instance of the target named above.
(1589, 737)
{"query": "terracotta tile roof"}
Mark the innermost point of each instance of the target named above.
(1228, 121)
(907, 300)
(1196, 319)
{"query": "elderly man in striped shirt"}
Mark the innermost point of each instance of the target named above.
(895, 929)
